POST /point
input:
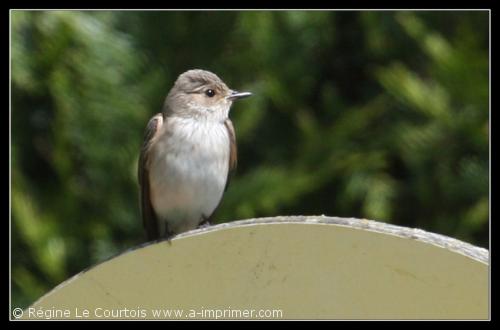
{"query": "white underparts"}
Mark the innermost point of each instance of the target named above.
(188, 171)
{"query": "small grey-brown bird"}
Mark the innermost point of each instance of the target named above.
(188, 154)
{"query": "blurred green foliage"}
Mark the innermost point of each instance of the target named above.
(379, 115)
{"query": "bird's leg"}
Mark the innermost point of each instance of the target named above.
(168, 234)
(205, 222)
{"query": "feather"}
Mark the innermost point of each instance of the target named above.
(149, 218)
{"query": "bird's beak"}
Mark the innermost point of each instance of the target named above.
(238, 95)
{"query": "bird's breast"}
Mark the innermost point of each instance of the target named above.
(188, 170)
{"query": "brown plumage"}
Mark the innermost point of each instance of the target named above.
(188, 155)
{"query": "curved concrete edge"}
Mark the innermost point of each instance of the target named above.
(442, 241)
(452, 244)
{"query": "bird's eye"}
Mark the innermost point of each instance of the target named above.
(210, 92)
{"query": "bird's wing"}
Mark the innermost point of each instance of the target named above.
(148, 214)
(233, 151)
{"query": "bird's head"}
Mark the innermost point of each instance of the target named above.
(201, 94)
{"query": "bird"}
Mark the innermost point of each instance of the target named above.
(188, 155)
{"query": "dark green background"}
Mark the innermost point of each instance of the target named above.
(379, 115)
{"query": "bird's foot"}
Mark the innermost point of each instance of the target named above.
(168, 234)
(204, 223)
